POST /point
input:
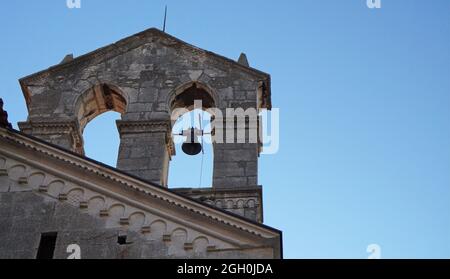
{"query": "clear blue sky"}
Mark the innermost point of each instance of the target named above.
(364, 97)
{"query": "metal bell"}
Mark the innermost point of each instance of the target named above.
(191, 146)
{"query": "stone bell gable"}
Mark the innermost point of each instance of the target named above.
(144, 77)
(147, 78)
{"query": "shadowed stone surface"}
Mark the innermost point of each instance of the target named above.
(141, 77)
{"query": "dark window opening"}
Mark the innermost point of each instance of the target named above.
(47, 246)
(122, 240)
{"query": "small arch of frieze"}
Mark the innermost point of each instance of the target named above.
(191, 234)
(180, 231)
(117, 206)
(116, 213)
(96, 197)
(201, 237)
(219, 203)
(200, 244)
(34, 181)
(129, 210)
(96, 205)
(229, 204)
(75, 196)
(55, 187)
(56, 180)
(88, 194)
(240, 203)
(136, 220)
(159, 220)
(68, 186)
(73, 188)
(252, 203)
(16, 171)
(159, 226)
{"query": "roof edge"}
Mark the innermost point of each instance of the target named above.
(103, 50)
(147, 183)
(153, 30)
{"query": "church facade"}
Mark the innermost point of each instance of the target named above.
(54, 200)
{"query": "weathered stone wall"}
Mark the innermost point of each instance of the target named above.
(32, 203)
(145, 149)
(147, 71)
(24, 216)
(246, 202)
(42, 192)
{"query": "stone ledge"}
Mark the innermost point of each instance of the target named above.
(104, 213)
(167, 237)
(146, 229)
(83, 204)
(211, 248)
(188, 246)
(43, 188)
(124, 221)
(221, 198)
(150, 126)
(23, 180)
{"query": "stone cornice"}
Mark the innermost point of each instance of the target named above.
(48, 127)
(55, 128)
(146, 126)
(136, 184)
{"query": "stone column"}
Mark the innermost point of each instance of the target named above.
(65, 134)
(236, 162)
(145, 149)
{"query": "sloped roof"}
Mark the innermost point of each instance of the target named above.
(135, 183)
(137, 40)
(129, 42)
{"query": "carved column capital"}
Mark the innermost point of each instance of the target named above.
(63, 133)
(147, 126)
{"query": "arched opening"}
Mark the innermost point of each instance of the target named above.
(98, 109)
(186, 170)
(187, 98)
(101, 139)
(97, 100)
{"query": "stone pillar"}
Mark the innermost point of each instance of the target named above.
(145, 149)
(65, 134)
(236, 162)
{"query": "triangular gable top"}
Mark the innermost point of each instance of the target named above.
(130, 42)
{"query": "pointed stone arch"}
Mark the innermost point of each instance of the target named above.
(183, 95)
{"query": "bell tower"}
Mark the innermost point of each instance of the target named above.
(148, 78)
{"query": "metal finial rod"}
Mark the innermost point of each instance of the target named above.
(165, 18)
